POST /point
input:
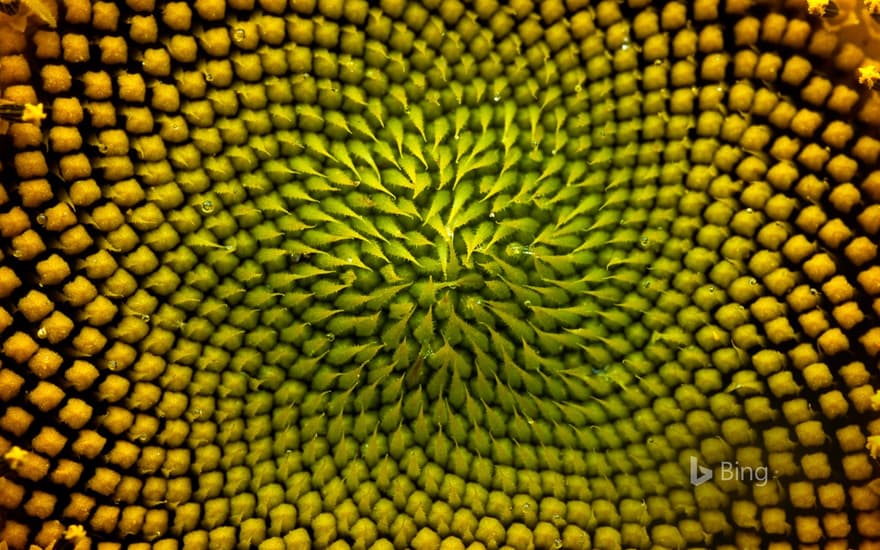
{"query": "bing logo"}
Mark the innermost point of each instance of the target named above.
(728, 471)
(699, 474)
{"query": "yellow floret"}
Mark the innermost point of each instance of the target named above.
(75, 533)
(873, 446)
(33, 113)
(869, 75)
(818, 7)
(16, 456)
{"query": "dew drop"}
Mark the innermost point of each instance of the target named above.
(749, 211)
(491, 215)
(112, 364)
(557, 544)
(239, 35)
(209, 77)
(331, 336)
(496, 99)
(711, 290)
(753, 281)
(207, 206)
(644, 241)
(527, 303)
(42, 333)
(41, 219)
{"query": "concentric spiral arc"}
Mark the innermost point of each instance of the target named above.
(439, 275)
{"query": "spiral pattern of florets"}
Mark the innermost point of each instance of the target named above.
(438, 274)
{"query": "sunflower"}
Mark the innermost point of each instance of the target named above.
(441, 274)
